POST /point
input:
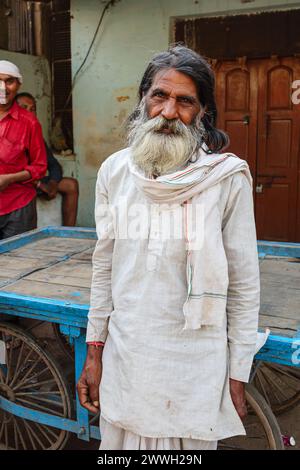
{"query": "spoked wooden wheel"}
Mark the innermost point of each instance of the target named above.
(33, 379)
(279, 385)
(63, 342)
(263, 432)
(94, 419)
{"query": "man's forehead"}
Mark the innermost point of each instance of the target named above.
(3, 76)
(26, 99)
(174, 80)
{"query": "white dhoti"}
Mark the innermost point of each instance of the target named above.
(114, 438)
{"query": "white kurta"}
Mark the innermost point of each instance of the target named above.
(160, 380)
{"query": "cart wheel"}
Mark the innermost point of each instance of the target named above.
(94, 419)
(263, 432)
(33, 379)
(279, 385)
(63, 342)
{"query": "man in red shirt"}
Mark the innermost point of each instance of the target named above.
(22, 157)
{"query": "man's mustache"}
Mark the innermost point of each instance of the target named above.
(160, 124)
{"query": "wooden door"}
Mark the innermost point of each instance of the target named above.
(255, 106)
(236, 95)
(277, 150)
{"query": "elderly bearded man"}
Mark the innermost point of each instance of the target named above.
(22, 157)
(179, 320)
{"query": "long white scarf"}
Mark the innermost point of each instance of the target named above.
(178, 188)
(182, 185)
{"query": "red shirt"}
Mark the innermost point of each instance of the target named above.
(21, 148)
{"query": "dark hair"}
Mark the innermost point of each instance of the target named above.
(25, 94)
(190, 63)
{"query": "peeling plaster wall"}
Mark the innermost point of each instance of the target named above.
(106, 89)
(36, 80)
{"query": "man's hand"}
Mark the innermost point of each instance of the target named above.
(5, 180)
(237, 392)
(89, 382)
(50, 189)
(19, 177)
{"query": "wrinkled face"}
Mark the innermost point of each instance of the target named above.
(27, 103)
(10, 86)
(173, 95)
(167, 128)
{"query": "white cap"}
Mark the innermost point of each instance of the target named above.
(8, 68)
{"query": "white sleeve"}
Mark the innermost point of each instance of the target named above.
(240, 243)
(101, 304)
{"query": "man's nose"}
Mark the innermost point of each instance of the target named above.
(169, 110)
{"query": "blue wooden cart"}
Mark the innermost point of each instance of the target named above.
(45, 278)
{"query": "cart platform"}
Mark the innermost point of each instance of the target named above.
(46, 275)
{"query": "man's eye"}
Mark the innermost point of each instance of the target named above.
(185, 100)
(159, 94)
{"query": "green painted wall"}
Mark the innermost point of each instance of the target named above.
(106, 89)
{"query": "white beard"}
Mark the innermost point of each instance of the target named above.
(157, 153)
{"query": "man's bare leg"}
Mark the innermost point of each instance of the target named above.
(68, 188)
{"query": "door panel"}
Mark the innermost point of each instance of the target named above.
(277, 150)
(236, 95)
(256, 110)
(271, 211)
